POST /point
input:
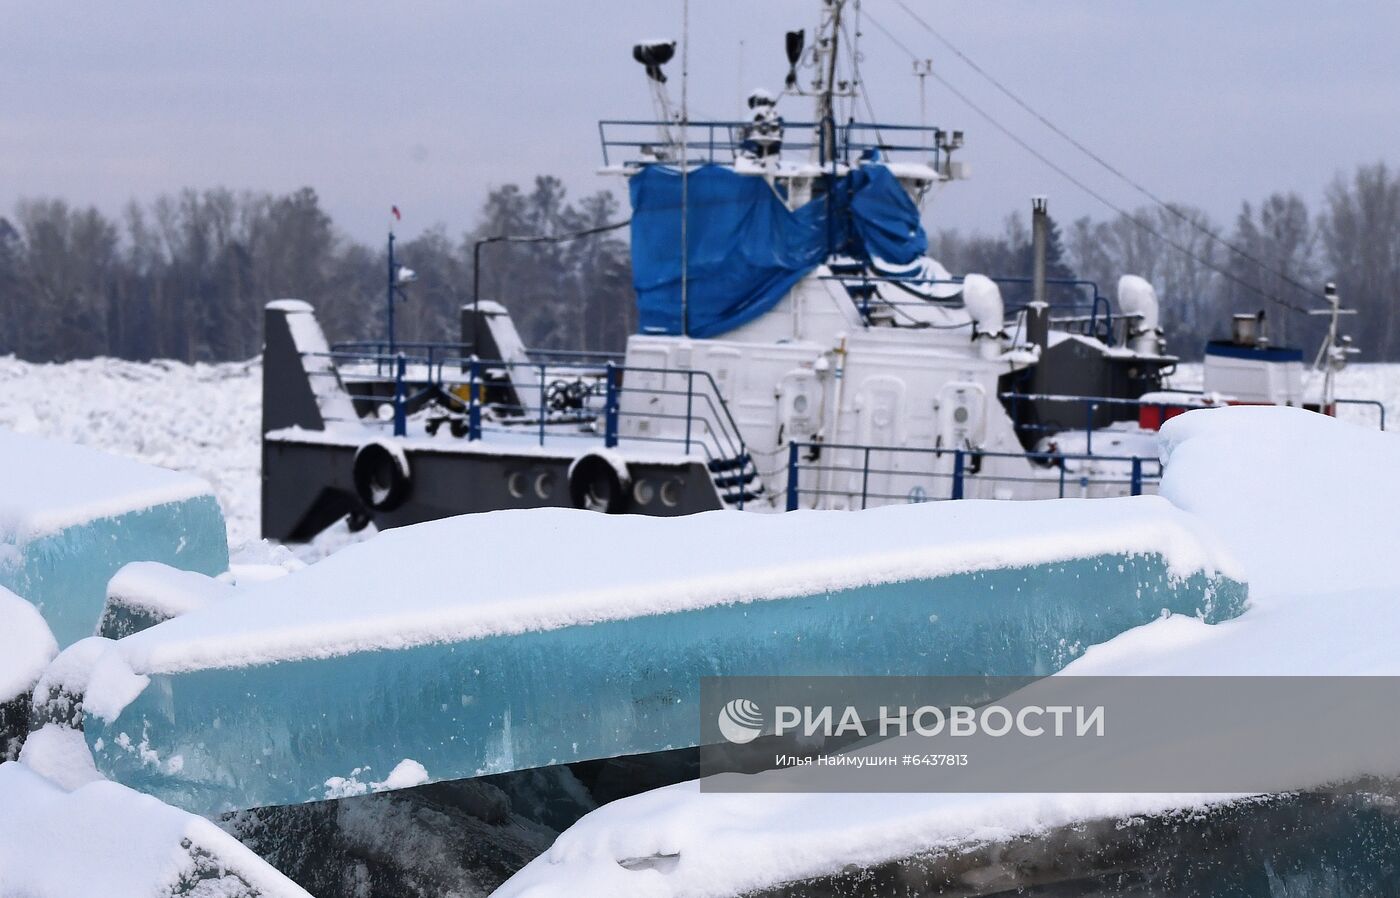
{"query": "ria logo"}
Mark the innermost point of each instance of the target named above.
(740, 721)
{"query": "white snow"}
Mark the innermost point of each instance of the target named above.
(390, 592)
(1306, 502)
(163, 589)
(93, 669)
(105, 839)
(51, 485)
(26, 645)
(61, 755)
(405, 774)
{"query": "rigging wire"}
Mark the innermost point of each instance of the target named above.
(1144, 226)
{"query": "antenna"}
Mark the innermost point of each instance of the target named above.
(1335, 350)
(922, 69)
(653, 55)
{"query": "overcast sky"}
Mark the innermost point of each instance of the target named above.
(428, 105)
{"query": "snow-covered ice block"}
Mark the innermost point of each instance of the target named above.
(144, 593)
(1301, 499)
(26, 646)
(70, 516)
(520, 639)
(105, 839)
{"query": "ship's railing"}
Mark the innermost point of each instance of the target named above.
(864, 479)
(1092, 315)
(639, 141)
(1368, 403)
(546, 403)
(433, 351)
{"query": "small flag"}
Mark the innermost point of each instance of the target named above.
(397, 215)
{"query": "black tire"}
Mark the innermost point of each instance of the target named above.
(596, 485)
(382, 478)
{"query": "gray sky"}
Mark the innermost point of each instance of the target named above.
(429, 104)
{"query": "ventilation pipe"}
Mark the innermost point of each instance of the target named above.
(982, 297)
(1137, 301)
(1038, 313)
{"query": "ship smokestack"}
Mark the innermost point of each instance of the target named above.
(1038, 315)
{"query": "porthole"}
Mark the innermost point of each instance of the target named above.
(544, 484)
(516, 484)
(643, 492)
(671, 493)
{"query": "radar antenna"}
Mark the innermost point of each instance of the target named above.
(653, 55)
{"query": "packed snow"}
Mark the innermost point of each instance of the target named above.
(163, 590)
(26, 645)
(105, 839)
(391, 592)
(1304, 501)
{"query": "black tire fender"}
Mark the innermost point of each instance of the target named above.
(600, 483)
(383, 479)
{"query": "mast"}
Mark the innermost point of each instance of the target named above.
(685, 168)
(826, 108)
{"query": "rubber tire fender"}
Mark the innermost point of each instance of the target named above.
(593, 478)
(383, 479)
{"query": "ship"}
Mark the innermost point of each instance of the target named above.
(797, 348)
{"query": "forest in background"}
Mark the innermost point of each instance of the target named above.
(185, 276)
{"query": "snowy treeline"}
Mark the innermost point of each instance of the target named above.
(185, 277)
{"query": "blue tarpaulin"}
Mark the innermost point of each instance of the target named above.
(746, 249)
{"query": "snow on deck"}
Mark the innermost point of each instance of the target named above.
(1306, 503)
(517, 571)
(54, 485)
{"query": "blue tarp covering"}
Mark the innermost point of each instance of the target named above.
(745, 249)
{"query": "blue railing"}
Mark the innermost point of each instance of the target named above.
(721, 141)
(573, 401)
(963, 469)
(433, 351)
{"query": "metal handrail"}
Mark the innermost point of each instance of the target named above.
(732, 139)
(709, 424)
(958, 476)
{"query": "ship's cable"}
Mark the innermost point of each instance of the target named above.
(1170, 208)
(1101, 198)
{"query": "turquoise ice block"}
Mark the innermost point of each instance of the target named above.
(275, 698)
(76, 515)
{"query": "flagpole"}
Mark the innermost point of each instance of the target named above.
(389, 293)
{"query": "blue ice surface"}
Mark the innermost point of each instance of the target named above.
(64, 573)
(221, 738)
